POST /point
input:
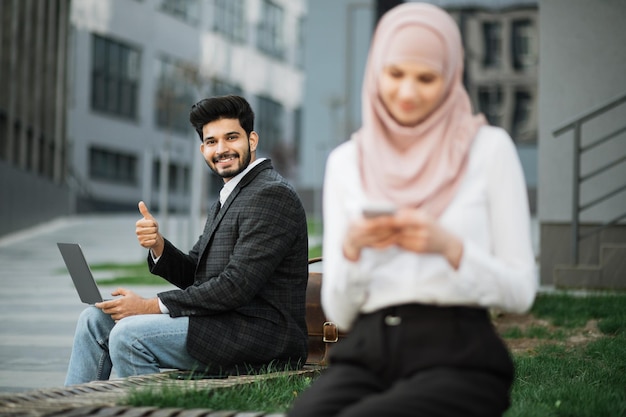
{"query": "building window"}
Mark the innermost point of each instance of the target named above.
(229, 19)
(174, 94)
(521, 129)
(270, 30)
(186, 10)
(523, 42)
(172, 182)
(186, 179)
(492, 42)
(269, 123)
(223, 88)
(490, 104)
(156, 174)
(178, 177)
(112, 166)
(115, 78)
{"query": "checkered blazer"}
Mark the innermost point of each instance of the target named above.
(243, 285)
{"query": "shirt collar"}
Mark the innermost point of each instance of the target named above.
(230, 185)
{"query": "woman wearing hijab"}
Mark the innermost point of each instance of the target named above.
(413, 286)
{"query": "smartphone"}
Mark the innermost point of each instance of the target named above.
(375, 210)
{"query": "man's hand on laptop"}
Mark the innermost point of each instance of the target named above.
(147, 231)
(129, 304)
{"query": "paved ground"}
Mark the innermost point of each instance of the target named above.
(38, 303)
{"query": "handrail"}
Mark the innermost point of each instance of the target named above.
(588, 115)
(575, 124)
(600, 170)
(603, 139)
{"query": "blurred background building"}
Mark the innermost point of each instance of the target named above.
(138, 66)
(33, 112)
(125, 74)
(501, 71)
(95, 94)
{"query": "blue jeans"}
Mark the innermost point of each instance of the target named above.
(135, 345)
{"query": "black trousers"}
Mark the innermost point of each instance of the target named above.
(414, 360)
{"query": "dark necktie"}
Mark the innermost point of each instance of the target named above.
(217, 208)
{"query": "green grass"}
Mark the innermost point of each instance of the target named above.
(127, 274)
(553, 380)
(315, 252)
(579, 380)
(267, 395)
(574, 382)
(534, 332)
(568, 311)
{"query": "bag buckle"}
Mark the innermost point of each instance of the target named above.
(391, 320)
(331, 334)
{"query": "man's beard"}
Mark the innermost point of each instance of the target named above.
(231, 174)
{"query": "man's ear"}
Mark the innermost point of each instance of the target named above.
(254, 140)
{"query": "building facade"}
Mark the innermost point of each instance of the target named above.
(501, 72)
(137, 66)
(33, 145)
(582, 193)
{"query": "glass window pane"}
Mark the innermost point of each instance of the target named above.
(492, 43)
(523, 33)
(115, 77)
(490, 104)
(270, 30)
(175, 94)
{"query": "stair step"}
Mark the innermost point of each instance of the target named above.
(609, 274)
(613, 262)
(578, 276)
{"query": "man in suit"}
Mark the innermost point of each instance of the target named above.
(242, 287)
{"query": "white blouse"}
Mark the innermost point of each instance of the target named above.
(489, 214)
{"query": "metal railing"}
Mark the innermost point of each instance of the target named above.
(579, 178)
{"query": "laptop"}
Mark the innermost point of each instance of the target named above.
(80, 272)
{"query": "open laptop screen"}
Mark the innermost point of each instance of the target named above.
(81, 274)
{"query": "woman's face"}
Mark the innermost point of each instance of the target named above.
(410, 91)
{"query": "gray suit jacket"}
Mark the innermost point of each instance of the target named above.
(244, 282)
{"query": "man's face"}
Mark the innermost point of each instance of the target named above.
(226, 147)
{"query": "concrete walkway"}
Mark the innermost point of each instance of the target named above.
(38, 303)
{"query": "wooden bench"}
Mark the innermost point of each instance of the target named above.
(103, 398)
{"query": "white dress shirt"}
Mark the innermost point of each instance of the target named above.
(489, 213)
(229, 186)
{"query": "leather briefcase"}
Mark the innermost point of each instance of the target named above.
(322, 332)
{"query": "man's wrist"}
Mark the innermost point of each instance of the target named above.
(159, 246)
(162, 307)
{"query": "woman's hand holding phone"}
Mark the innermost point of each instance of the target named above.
(375, 229)
(380, 209)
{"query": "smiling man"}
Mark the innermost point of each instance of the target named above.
(240, 302)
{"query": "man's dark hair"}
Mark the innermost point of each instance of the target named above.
(224, 107)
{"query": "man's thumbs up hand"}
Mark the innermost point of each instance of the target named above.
(147, 231)
(143, 209)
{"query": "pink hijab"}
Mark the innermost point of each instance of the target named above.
(421, 165)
